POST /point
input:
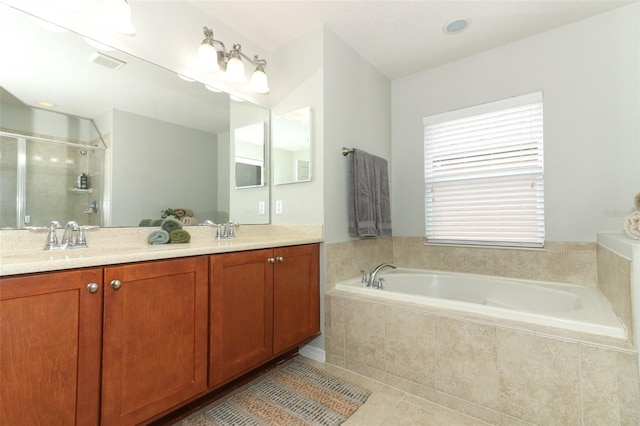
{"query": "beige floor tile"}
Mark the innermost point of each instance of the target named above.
(376, 410)
(407, 414)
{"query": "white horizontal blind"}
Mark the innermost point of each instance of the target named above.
(484, 174)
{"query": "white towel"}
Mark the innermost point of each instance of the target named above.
(631, 225)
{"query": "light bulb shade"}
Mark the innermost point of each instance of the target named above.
(235, 70)
(207, 57)
(117, 14)
(259, 81)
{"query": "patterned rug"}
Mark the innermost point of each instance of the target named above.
(295, 394)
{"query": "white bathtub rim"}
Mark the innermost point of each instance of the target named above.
(613, 326)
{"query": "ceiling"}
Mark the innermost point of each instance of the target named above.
(402, 37)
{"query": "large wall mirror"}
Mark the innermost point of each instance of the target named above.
(292, 147)
(124, 140)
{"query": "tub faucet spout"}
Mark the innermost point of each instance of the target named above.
(374, 273)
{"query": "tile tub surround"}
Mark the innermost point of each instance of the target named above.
(563, 262)
(560, 261)
(614, 280)
(500, 374)
(21, 250)
(344, 260)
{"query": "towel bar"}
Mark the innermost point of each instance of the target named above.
(346, 151)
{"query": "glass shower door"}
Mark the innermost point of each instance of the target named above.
(49, 180)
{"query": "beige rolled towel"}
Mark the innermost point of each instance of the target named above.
(189, 221)
(631, 225)
(180, 213)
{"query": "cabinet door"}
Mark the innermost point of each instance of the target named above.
(50, 331)
(296, 300)
(241, 313)
(155, 337)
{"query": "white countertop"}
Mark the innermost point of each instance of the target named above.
(21, 253)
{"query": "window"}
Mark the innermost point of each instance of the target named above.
(484, 174)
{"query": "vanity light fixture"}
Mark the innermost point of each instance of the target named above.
(211, 58)
(117, 15)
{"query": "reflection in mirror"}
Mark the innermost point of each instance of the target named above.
(161, 142)
(249, 155)
(249, 195)
(292, 147)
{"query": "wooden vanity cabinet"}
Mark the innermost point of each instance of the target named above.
(241, 309)
(155, 337)
(50, 342)
(122, 344)
(296, 296)
(262, 303)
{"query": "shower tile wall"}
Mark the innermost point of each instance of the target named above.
(497, 374)
(51, 170)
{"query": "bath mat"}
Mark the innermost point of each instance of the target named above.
(295, 394)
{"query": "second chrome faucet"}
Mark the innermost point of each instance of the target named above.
(224, 230)
(371, 280)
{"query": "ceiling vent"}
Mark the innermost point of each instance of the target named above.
(106, 61)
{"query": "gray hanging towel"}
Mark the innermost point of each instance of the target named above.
(369, 202)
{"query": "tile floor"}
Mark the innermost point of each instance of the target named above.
(391, 406)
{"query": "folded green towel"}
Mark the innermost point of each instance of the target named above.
(179, 236)
(146, 222)
(171, 225)
(157, 222)
(158, 236)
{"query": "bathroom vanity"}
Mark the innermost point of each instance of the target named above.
(123, 343)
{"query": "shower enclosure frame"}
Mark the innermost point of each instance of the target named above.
(21, 172)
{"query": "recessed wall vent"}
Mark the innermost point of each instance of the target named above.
(106, 61)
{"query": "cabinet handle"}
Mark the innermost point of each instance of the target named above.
(271, 260)
(280, 259)
(116, 284)
(93, 288)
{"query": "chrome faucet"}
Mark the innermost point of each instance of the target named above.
(67, 237)
(223, 230)
(81, 239)
(372, 277)
(52, 238)
(67, 241)
(229, 232)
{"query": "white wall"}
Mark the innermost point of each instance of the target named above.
(588, 72)
(357, 115)
(297, 82)
(141, 189)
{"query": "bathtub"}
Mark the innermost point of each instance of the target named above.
(572, 307)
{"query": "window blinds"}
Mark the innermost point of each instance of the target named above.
(484, 174)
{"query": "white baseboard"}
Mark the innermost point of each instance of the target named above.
(312, 352)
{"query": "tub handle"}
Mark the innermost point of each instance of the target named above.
(365, 277)
(379, 284)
